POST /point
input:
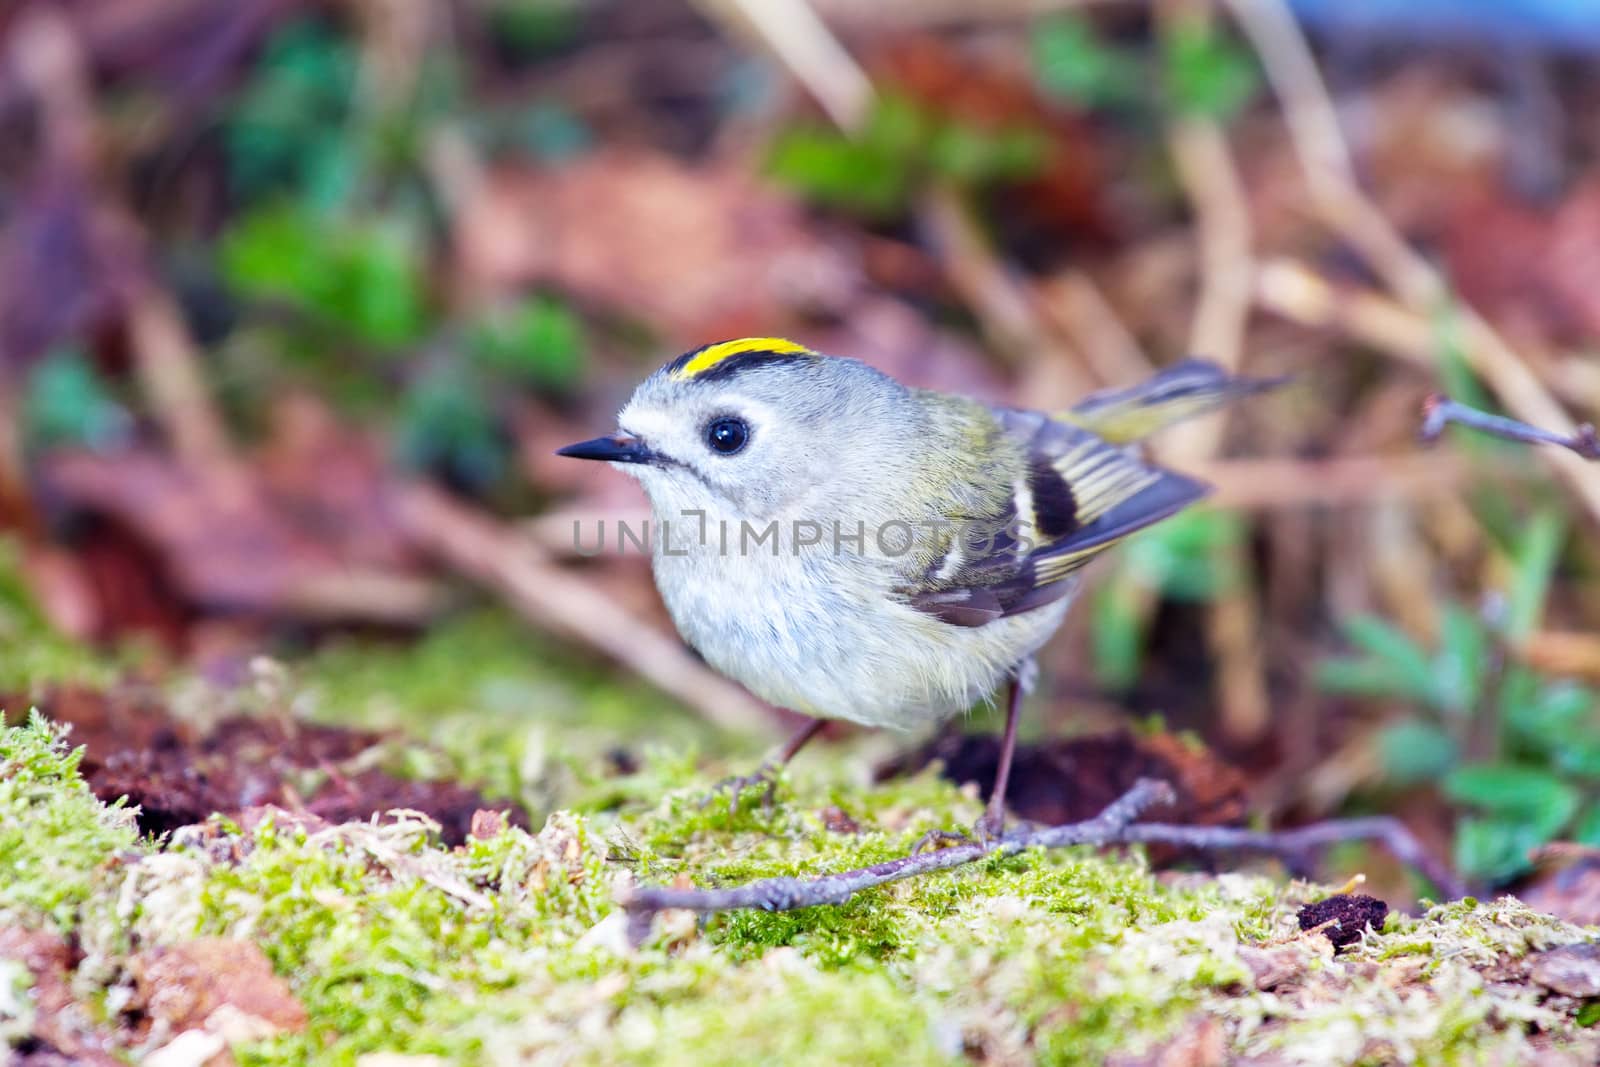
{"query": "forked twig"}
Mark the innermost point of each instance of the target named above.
(1113, 826)
(1439, 412)
(1297, 844)
(784, 894)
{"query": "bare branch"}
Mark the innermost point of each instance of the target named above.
(784, 894)
(1115, 825)
(1299, 844)
(1439, 412)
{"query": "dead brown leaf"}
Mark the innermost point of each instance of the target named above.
(60, 1028)
(211, 983)
(303, 533)
(699, 251)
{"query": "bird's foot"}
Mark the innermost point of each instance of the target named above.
(990, 827)
(986, 832)
(941, 838)
(765, 778)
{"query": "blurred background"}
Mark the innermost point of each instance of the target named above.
(297, 297)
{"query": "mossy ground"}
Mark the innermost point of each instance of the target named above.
(513, 949)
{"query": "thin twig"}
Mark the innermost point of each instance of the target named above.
(798, 37)
(1297, 844)
(1345, 208)
(1439, 411)
(1012, 323)
(1113, 826)
(785, 894)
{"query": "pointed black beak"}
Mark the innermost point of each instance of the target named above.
(616, 448)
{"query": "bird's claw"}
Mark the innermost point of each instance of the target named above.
(986, 833)
(765, 777)
(990, 828)
(954, 837)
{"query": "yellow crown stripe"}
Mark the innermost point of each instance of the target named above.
(711, 355)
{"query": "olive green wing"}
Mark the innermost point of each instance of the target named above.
(1080, 495)
(1083, 492)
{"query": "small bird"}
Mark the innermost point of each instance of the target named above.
(850, 547)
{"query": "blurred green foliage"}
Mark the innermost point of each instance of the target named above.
(1189, 557)
(333, 244)
(66, 402)
(288, 129)
(903, 145)
(362, 278)
(1072, 61)
(445, 425)
(1206, 73)
(538, 342)
(1520, 750)
(1199, 69)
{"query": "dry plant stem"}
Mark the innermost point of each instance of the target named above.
(1314, 127)
(793, 32)
(1216, 195)
(493, 554)
(1439, 412)
(1297, 845)
(169, 371)
(1011, 323)
(54, 68)
(1075, 305)
(784, 894)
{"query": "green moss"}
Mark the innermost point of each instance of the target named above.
(514, 948)
(55, 837)
(512, 712)
(34, 654)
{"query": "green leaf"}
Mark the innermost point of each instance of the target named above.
(530, 28)
(1181, 557)
(286, 130)
(1535, 797)
(66, 403)
(899, 128)
(379, 285)
(1206, 73)
(1117, 636)
(1587, 831)
(1359, 678)
(1071, 61)
(1534, 565)
(969, 154)
(539, 341)
(834, 170)
(1416, 751)
(1494, 850)
(446, 426)
(363, 276)
(1551, 718)
(1462, 663)
(1408, 666)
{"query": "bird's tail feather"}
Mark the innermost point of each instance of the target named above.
(1184, 390)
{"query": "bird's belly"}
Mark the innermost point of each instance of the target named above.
(842, 648)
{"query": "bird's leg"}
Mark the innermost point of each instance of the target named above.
(993, 821)
(766, 775)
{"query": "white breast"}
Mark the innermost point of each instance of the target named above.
(820, 633)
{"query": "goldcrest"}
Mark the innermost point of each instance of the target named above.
(850, 547)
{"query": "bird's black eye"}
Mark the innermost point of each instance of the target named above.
(727, 435)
